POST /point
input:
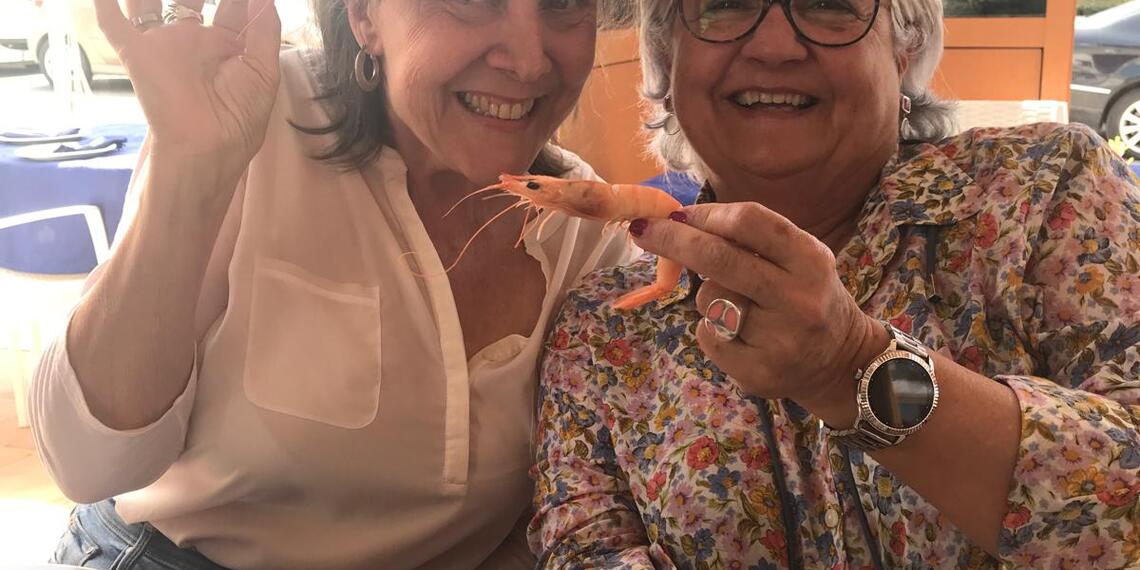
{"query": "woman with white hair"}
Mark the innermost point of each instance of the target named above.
(897, 348)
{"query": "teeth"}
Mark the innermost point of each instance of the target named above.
(496, 108)
(750, 98)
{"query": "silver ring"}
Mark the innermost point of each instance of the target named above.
(724, 318)
(146, 21)
(176, 11)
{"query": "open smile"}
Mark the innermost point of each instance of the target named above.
(495, 107)
(773, 100)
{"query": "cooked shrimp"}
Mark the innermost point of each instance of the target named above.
(614, 203)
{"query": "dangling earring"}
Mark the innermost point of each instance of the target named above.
(904, 108)
(366, 82)
(670, 123)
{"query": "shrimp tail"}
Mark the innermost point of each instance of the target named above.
(668, 274)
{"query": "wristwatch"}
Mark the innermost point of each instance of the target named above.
(897, 395)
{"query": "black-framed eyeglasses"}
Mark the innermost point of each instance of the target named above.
(828, 23)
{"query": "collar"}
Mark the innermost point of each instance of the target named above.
(921, 185)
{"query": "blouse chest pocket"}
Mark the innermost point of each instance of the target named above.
(313, 346)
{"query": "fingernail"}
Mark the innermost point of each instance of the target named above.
(679, 216)
(637, 227)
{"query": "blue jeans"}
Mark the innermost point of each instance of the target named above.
(97, 538)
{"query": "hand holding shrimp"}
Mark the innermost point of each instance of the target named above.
(614, 203)
(802, 335)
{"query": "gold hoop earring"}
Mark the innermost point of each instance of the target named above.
(363, 79)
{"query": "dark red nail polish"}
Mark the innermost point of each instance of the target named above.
(637, 227)
(679, 217)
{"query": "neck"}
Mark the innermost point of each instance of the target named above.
(828, 211)
(434, 193)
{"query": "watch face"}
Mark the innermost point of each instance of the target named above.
(901, 393)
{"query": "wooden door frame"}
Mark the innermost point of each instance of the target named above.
(1053, 35)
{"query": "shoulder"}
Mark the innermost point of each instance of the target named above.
(597, 289)
(298, 94)
(1037, 143)
(1036, 164)
(577, 168)
(297, 104)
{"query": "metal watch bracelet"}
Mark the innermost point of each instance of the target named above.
(865, 434)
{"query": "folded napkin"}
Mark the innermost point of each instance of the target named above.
(29, 136)
(96, 143)
(77, 150)
(33, 134)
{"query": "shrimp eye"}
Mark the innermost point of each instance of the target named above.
(533, 185)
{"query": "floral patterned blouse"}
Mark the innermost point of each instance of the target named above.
(1014, 251)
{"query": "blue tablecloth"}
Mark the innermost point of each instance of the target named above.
(680, 186)
(1136, 167)
(63, 245)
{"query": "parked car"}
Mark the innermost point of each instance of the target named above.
(98, 57)
(1105, 90)
(16, 18)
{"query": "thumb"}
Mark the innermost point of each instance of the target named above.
(263, 36)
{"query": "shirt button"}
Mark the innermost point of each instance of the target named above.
(831, 518)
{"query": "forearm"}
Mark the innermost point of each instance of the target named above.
(962, 460)
(131, 339)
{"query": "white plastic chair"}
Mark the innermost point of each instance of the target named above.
(33, 306)
(91, 215)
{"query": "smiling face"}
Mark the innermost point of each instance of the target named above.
(478, 86)
(771, 106)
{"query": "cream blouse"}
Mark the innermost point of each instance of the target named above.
(332, 419)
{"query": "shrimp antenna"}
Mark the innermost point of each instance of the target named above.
(479, 191)
(538, 225)
(255, 17)
(542, 225)
(523, 230)
(466, 245)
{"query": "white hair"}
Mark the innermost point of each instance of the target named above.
(917, 35)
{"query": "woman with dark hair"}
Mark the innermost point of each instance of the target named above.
(259, 377)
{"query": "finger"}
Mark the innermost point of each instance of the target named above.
(753, 227)
(262, 35)
(738, 360)
(750, 315)
(232, 15)
(221, 44)
(711, 256)
(711, 290)
(137, 8)
(112, 22)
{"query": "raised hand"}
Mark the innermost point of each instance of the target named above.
(205, 89)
